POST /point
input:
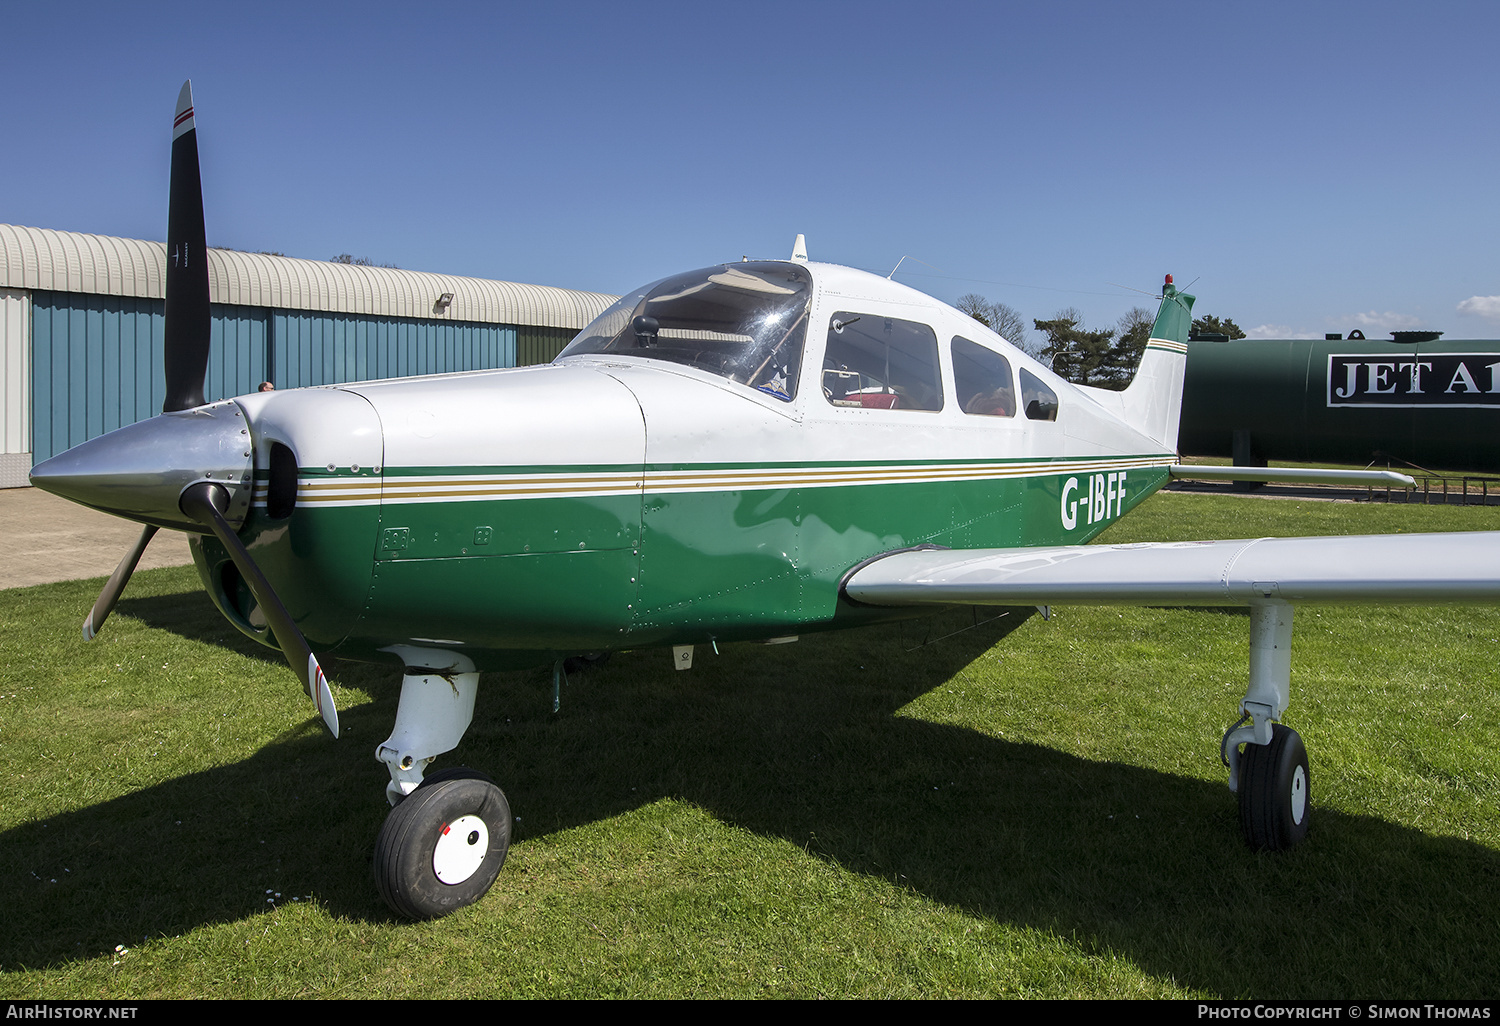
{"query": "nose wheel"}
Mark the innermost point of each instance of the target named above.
(443, 846)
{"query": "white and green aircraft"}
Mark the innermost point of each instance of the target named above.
(748, 451)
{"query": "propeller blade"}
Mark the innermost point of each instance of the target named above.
(186, 315)
(203, 503)
(105, 603)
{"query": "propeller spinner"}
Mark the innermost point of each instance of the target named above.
(190, 469)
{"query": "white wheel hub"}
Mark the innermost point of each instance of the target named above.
(460, 849)
(1299, 794)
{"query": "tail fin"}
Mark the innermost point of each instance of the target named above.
(1153, 402)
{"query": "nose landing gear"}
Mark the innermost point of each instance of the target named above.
(447, 835)
(443, 846)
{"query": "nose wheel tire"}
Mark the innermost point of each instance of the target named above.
(442, 847)
(1275, 800)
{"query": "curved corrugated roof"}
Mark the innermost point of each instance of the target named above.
(40, 258)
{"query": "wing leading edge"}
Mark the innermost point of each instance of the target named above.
(1417, 568)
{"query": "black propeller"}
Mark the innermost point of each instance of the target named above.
(186, 314)
(105, 603)
(205, 503)
(157, 471)
(186, 328)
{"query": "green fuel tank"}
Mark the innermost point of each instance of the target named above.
(1419, 401)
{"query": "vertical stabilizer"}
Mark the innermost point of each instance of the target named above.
(1153, 402)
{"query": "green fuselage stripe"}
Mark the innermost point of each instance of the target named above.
(522, 563)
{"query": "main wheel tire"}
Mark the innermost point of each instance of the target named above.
(442, 847)
(1275, 797)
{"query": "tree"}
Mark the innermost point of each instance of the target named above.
(1209, 325)
(1083, 356)
(1000, 318)
(1105, 358)
(1011, 326)
(976, 306)
(1135, 332)
(349, 258)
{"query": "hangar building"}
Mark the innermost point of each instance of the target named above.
(81, 343)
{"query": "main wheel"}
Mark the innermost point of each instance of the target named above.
(1275, 800)
(442, 847)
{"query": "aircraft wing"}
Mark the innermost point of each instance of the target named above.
(1414, 568)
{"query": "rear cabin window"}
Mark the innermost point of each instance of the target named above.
(881, 363)
(982, 380)
(1039, 401)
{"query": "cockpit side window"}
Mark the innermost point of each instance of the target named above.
(982, 380)
(746, 322)
(881, 363)
(1039, 401)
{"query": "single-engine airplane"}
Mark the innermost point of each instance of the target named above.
(746, 451)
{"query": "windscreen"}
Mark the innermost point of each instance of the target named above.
(746, 322)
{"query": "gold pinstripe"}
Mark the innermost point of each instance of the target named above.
(478, 487)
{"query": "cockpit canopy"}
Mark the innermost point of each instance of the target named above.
(745, 321)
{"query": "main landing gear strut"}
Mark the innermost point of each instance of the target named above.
(445, 840)
(1271, 775)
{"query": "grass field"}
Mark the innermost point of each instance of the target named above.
(1024, 809)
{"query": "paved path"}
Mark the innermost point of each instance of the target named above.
(50, 539)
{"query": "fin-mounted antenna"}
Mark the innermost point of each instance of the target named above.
(799, 249)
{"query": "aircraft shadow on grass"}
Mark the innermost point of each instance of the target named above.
(796, 742)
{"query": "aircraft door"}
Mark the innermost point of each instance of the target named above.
(720, 513)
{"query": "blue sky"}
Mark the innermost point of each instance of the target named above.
(1314, 166)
